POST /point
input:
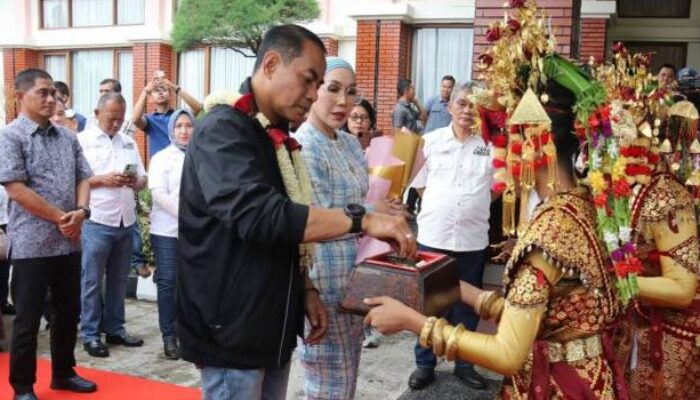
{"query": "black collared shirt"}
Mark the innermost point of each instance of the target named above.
(239, 286)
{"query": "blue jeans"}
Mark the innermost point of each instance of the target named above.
(165, 252)
(137, 256)
(470, 269)
(106, 251)
(245, 384)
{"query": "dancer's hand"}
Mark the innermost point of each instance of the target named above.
(390, 316)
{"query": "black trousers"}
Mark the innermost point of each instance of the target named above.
(4, 276)
(30, 280)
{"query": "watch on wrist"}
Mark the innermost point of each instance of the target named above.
(356, 212)
(86, 210)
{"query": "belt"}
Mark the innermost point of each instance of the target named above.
(575, 350)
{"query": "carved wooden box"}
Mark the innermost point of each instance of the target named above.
(431, 286)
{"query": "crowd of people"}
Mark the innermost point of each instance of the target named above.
(255, 230)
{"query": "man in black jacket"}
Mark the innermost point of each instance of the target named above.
(242, 296)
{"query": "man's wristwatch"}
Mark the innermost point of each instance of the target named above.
(86, 210)
(356, 212)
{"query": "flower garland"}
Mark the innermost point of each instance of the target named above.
(295, 174)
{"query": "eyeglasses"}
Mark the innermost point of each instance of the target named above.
(359, 118)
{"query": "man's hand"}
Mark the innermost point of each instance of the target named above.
(155, 82)
(115, 179)
(396, 229)
(167, 84)
(70, 224)
(130, 180)
(318, 318)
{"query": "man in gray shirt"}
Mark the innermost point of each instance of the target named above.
(408, 112)
(437, 107)
(46, 178)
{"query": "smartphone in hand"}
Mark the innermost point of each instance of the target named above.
(130, 170)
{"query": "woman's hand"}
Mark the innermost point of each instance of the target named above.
(317, 315)
(390, 316)
(392, 207)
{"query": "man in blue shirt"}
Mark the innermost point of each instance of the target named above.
(155, 124)
(438, 114)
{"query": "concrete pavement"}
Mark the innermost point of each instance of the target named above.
(384, 371)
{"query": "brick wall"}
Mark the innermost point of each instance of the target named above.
(149, 57)
(388, 66)
(488, 11)
(331, 46)
(593, 38)
(14, 61)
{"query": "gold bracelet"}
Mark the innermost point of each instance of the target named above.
(438, 338)
(424, 338)
(452, 341)
(486, 299)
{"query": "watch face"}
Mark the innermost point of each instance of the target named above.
(355, 209)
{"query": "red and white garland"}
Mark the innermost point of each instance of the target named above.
(293, 169)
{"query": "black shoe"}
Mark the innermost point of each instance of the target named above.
(96, 348)
(73, 384)
(8, 309)
(470, 377)
(25, 396)
(171, 348)
(124, 340)
(421, 378)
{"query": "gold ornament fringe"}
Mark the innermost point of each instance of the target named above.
(509, 211)
(550, 151)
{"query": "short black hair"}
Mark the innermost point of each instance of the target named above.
(288, 40)
(673, 67)
(26, 78)
(448, 78)
(62, 88)
(115, 84)
(402, 86)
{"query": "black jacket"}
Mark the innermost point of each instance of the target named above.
(239, 289)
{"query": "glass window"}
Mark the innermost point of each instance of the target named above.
(229, 69)
(56, 67)
(653, 9)
(55, 13)
(89, 68)
(126, 78)
(191, 73)
(438, 52)
(130, 12)
(92, 12)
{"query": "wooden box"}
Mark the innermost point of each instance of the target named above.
(430, 287)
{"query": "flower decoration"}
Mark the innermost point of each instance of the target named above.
(494, 32)
(295, 174)
(513, 25)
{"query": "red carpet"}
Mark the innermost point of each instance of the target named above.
(110, 386)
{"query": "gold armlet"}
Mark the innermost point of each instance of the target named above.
(438, 338)
(452, 342)
(424, 338)
(484, 303)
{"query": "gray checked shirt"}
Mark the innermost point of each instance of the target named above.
(50, 162)
(406, 115)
